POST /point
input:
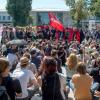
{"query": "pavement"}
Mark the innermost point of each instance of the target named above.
(70, 96)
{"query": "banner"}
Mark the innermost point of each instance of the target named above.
(55, 23)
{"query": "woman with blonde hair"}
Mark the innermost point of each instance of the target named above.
(82, 83)
(71, 68)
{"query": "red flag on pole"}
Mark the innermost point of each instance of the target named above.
(55, 23)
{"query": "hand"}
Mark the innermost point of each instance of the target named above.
(97, 93)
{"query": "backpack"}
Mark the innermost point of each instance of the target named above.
(51, 87)
(3, 93)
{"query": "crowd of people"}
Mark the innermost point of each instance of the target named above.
(47, 66)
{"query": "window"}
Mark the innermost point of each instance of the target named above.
(8, 18)
(60, 16)
(4, 17)
(42, 18)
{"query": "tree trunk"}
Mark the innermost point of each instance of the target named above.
(78, 23)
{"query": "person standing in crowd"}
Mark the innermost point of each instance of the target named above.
(53, 31)
(11, 34)
(5, 35)
(26, 78)
(44, 33)
(82, 82)
(28, 33)
(21, 33)
(18, 33)
(12, 86)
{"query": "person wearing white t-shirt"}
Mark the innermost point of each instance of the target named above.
(12, 58)
(26, 78)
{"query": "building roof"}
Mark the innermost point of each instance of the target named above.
(42, 5)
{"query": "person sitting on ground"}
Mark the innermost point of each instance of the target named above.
(31, 65)
(26, 78)
(54, 54)
(52, 81)
(82, 82)
(11, 85)
(71, 68)
(95, 73)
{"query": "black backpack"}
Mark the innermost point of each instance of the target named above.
(51, 87)
(3, 93)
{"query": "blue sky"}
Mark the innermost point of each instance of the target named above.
(38, 4)
(2, 4)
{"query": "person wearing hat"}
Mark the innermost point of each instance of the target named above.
(31, 66)
(26, 78)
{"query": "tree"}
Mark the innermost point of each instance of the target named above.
(30, 20)
(19, 10)
(95, 7)
(70, 2)
(79, 10)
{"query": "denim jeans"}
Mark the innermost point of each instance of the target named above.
(95, 86)
(69, 83)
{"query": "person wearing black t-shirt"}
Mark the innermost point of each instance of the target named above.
(12, 86)
(95, 73)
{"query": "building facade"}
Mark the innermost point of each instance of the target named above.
(5, 18)
(42, 18)
(40, 9)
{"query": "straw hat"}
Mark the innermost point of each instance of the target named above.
(24, 61)
(95, 54)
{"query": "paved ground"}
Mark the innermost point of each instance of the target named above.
(71, 97)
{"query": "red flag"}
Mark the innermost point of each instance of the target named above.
(70, 37)
(77, 35)
(57, 36)
(55, 23)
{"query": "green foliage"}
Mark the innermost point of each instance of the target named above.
(70, 2)
(30, 20)
(19, 10)
(95, 7)
(79, 10)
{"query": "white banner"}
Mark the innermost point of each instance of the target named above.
(92, 25)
